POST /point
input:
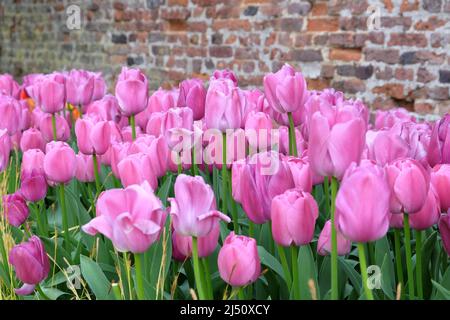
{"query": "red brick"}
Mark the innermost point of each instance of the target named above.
(317, 84)
(408, 5)
(430, 25)
(319, 9)
(220, 51)
(388, 5)
(394, 90)
(323, 24)
(345, 54)
(404, 74)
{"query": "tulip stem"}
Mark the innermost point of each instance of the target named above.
(284, 263)
(292, 138)
(197, 275)
(65, 222)
(398, 258)
(98, 185)
(116, 291)
(295, 279)
(207, 274)
(234, 212)
(251, 229)
(194, 168)
(419, 263)
(133, 127)
(409, 268)
(224, 175)
(326, 191)
(55, 137)
(41, 292)
(363, 266)
(334, 253)
(138, 257)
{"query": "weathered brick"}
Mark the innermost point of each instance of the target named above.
(345, 54)
(291, 24)
(408, 5)
(434, 6)
(323, 24)
(320, 9)
(389, 56)
(408, 39)
(444, 76)
(384, 74)
(250, 11)
(360, 72)
(220, 51)
(431, 24)
(438, 93)
(404, 74)
(394, 90)
(119, 38)
(351, 86)
(425, 76)
(307, 55)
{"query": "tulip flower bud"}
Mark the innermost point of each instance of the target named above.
(31, 264)
(60, 162)
(33, 185)
(9, 86)
(15, 209)
(224, 105)
(32, 159)
(32, 139)
(225, 74)
(285, 90)
(324, 244)
(93, 137)
(193, 209)
(429, 214)
(238, 260)
(85, 168)
(46, 128)
(294, 214)
(5, 149)
(51, 93)
(79, 87)
(11, 114)
(362, 203)
(440, 179)
(132, 91)
(135, 169)
(401, 175)
(193, 95)
(132, 218)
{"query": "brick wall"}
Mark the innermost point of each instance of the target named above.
(403, 62)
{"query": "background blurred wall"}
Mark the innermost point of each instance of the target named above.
(387, 52)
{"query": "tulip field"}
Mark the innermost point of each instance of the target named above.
(209, 191)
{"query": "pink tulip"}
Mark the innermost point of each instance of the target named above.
(32, 159)
(257, 180)
(440, 179)
(132, 218)
(225, 74)
(60, 162)
(127, 134)
(106, 109)
(51, 93)
(386, 147)
(99, 86)
(119, 151)
(15, 209)
(5, 149)
(193, 209)
(301, 173)
(9, 86)
(362, 203)
(444, 229)
(157, 151)
(31, 264)
(132, 91)
(79, 87)
(294, 214)
(396, 220)
(32, 139)
(429, 214)
(223, 105)
(336, 139)
(193, 95)
(401, 175)
(182, 245)
(62, 128)
(85, 168)
(11, 114)
(135, 169)
(324, 243)
(255, 102)
(160, 101)
(444, 137)
(93, 137)
(387, 119)
(33, 185)
(285, 90)
(238, 260)
(258, 129)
